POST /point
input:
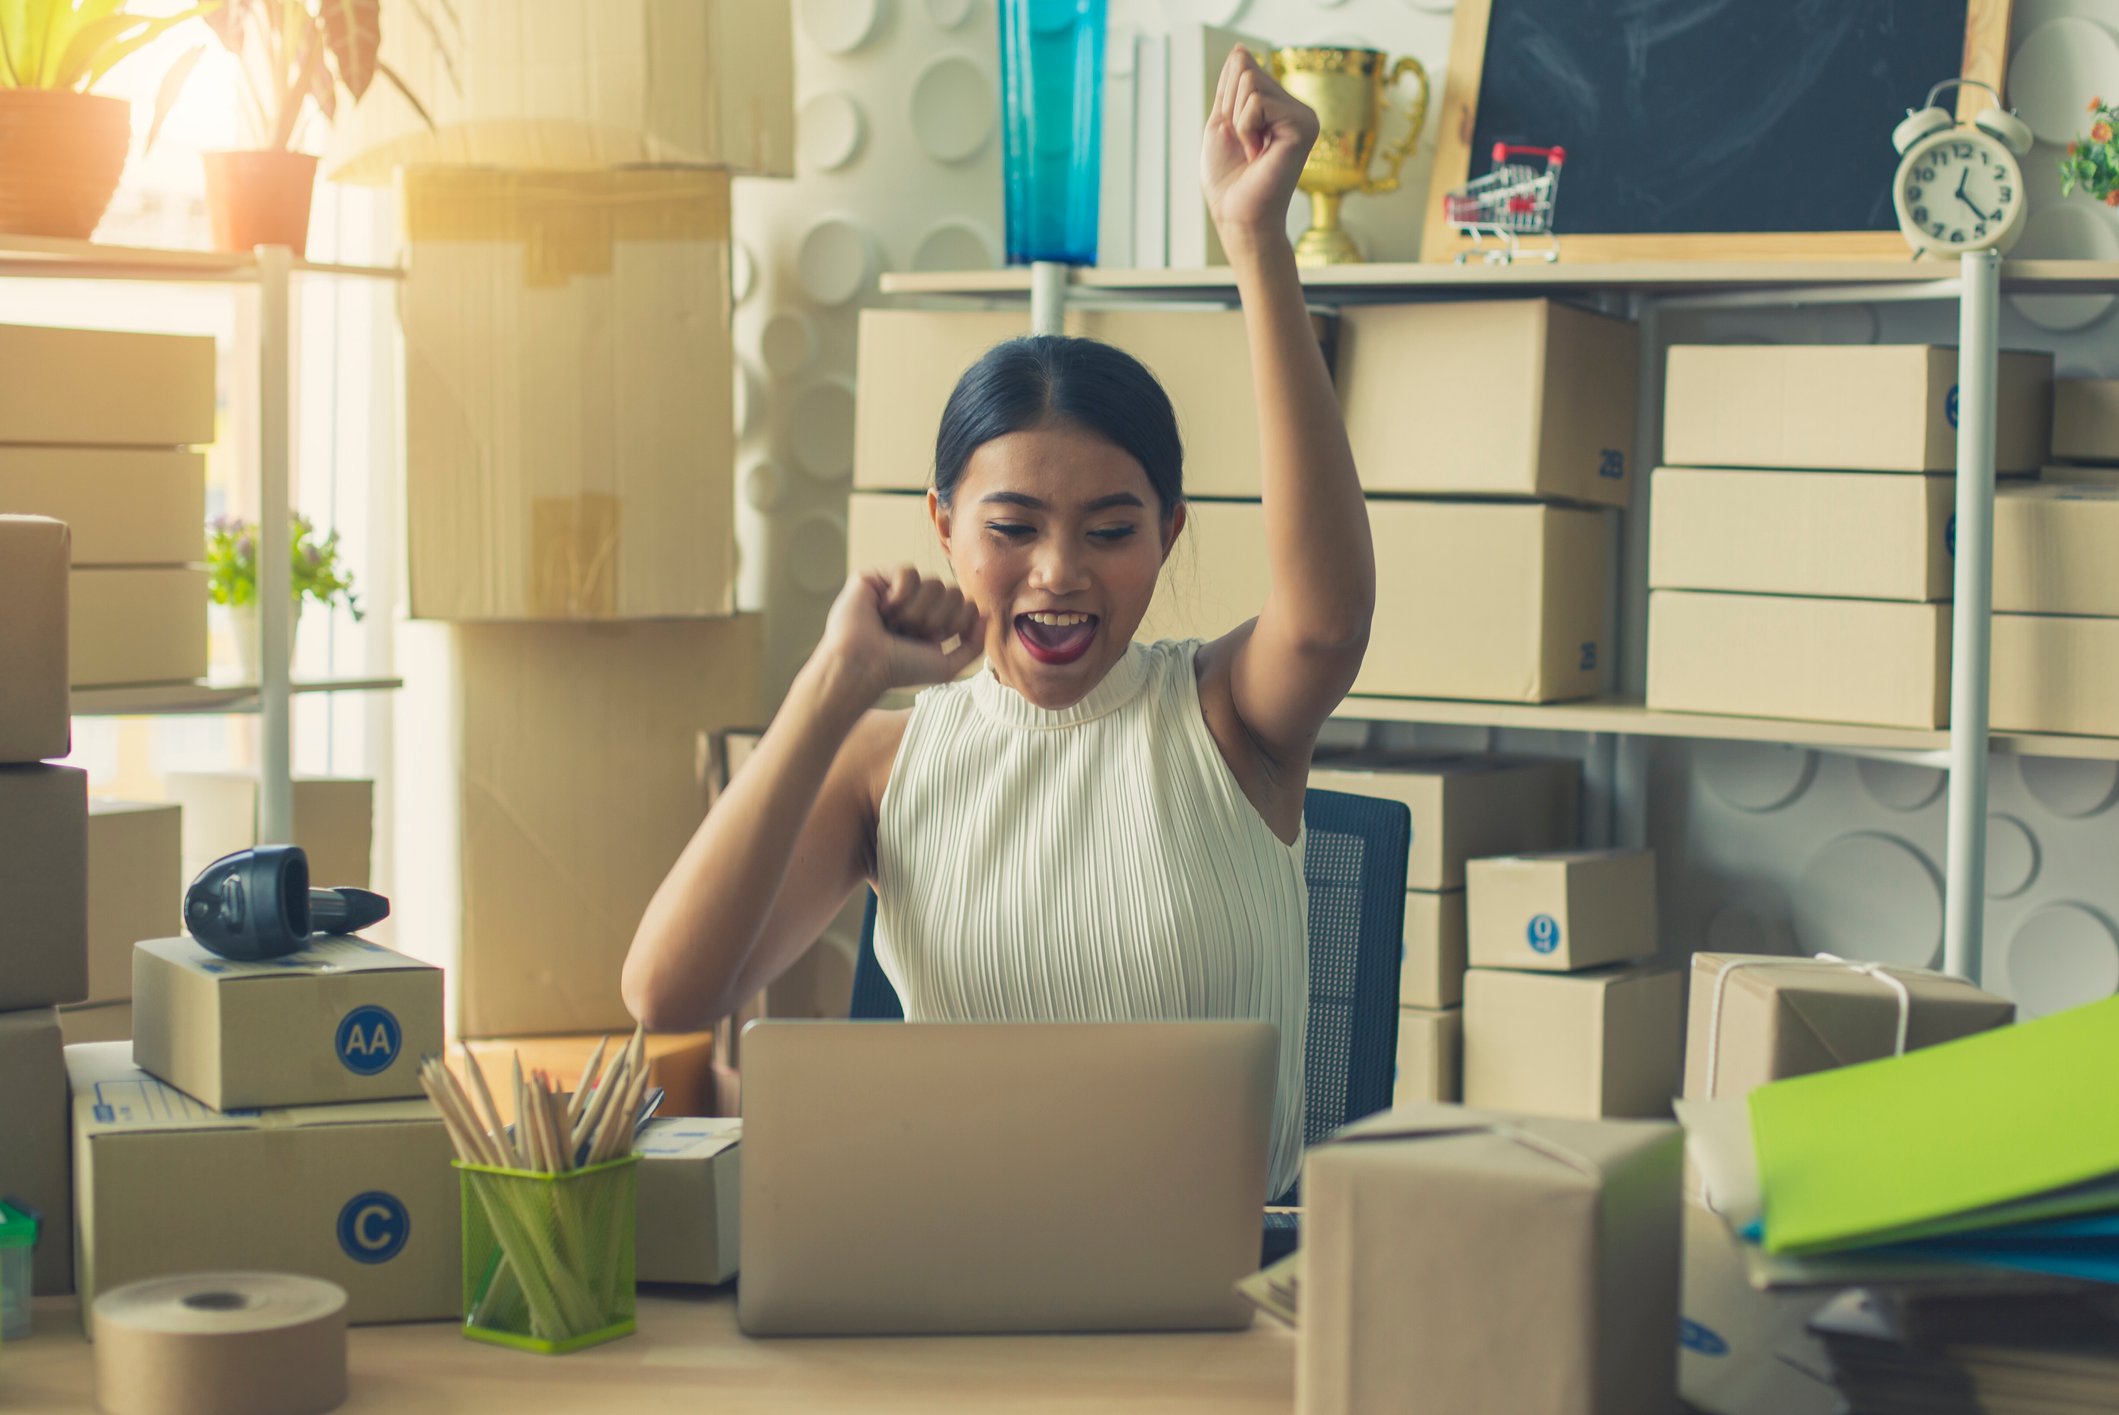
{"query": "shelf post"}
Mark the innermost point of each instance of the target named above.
(1964, 895)
(1048, 297)
(275, 550)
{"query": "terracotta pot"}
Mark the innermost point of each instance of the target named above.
(259, 199)
(61, 154)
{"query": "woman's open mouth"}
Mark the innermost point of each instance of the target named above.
(1056, 637)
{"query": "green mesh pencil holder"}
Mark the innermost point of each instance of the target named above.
(548, 1258)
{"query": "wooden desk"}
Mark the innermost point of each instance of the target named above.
(688, 1356)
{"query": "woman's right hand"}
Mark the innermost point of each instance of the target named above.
(901, 629)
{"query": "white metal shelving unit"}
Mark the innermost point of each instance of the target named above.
(271, 269)
(1647, 291)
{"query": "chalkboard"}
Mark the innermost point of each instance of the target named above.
(1717, 128)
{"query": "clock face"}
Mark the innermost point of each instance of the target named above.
(1960, 191)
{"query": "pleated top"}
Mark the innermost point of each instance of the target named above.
(1098, 863)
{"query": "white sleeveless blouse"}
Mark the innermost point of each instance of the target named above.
(1098, 863)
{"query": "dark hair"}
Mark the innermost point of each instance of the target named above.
(1045, 378)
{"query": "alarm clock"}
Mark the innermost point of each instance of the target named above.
(1958, 186)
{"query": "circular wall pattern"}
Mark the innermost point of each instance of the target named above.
(2012, 857)
(742, 272)
(2069, 789)
(821, 429)
(2073, 230)
(761, 486)
(839, 26)
(948, 14)
(816, 551)
(836, 261)
(787, 344)
(1872, 898)
(955, 244)
(1755, 776)
(829, 131)
(952, 108)
(1746, 928)
(2061, 956)
(1899, 786)
(2054, 72)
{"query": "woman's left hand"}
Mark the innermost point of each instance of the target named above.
(1257, 138)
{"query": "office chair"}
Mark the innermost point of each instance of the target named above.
(1354, 864)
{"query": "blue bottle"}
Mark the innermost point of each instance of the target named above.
(1052, 105)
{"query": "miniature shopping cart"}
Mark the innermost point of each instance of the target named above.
(1515, 199)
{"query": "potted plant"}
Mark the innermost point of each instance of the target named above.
(2092, 161)
(232, 581)
(295, 57)
(62, 146)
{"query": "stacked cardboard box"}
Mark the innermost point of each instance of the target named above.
(1800, 550)
(334, 821)
(43, 883)
(135, 892)
(120, 472)
(1462, 807)
(2056, 609)
(1561, 1014)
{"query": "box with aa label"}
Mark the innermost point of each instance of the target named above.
(342, 1020)
(1562, 912)
(1430, 1054)
(1431, 962)
(1853, 535)
(136, 626)
(1843, 407)
(2086, 420)
(34, 703)
(1462, 806)
(1815, 660)
(43, 886)
(33, 1165)
(361, 1195)
(690, 1185)
(1589, 1045)
(135, 887)
(125, 505)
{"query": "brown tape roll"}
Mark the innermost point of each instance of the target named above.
(221, 1344)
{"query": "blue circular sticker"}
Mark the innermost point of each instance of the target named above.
(368, 1039)
(1544, 934)
(1950, 406)
(373, 1227)
(1694, 1337)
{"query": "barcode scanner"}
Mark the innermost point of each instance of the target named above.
(258, 904)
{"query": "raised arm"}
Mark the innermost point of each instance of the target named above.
(794, 834)
(1294, 665)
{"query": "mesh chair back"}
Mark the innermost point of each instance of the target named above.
(874, 999)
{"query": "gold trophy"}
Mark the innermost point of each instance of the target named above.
(1346, 88)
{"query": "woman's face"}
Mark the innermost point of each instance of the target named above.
(1057, 537)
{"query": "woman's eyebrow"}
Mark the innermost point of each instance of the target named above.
(1012, 498)
(1121, 498)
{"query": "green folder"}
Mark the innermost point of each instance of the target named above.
(2008, 1126)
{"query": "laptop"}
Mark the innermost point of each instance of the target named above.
(1001, 1177)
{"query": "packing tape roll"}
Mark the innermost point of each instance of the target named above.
(233, 1343)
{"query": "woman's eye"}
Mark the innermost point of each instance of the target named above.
(1112, 533)
(1013, 530)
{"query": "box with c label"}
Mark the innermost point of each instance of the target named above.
(342, 1020)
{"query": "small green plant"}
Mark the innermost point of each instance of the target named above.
(72, 44)
(2092, 162)
(232, 564)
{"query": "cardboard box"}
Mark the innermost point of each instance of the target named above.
(678, 1062)
(34, 1171)
(1782, 1017)
(1818, 660)
(547, 84)
(125, 505)
(690, 1190)
(44, 886)
(1514, 1225)
(2053, 550)
(96, 1022)
(137, 626)
(361, 1195)
(910, 361)
(1587, 1045)
(1430, 1055)
(105, 388)
(135, 887)
(2053, 674)
(1852, 535)
(1490, 398)
(34, 704)
(334, 821)
(1843, 407)
(2062, 474)
(1462, 806)
(1431, 964)
(342, 1020)
(2086, 420)
(1563, 911)
(569, 407)
(1742, 1351)
(566, 766)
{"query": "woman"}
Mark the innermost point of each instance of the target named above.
(1089, 829)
